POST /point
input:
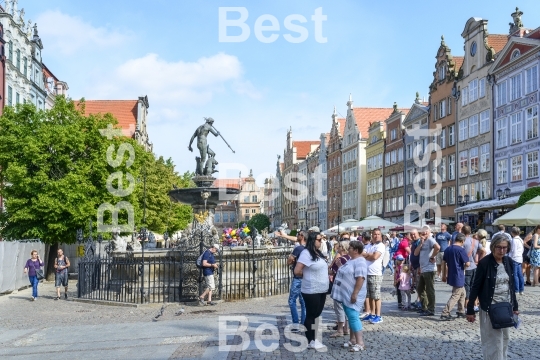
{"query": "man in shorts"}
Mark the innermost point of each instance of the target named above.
(443, 238)
(374, 278)
(208, 265)
(61, 265)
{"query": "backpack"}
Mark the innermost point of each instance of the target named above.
(198, 263)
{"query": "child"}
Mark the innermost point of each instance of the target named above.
(397, 272)
(405, 285)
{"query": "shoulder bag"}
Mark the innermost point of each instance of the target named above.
(502, 314)
(40, 274)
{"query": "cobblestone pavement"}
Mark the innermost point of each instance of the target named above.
(47, 328)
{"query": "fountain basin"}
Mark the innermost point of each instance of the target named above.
(194, 196)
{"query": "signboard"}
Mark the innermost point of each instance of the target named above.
(80, 251)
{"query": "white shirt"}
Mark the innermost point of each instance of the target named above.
(375, 267)
(315, 275)
(516, 252)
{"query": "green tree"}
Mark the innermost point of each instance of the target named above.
(259, 222)
(527, 195)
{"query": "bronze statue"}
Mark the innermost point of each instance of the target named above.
(205, 166)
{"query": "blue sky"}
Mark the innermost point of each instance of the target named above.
(380, 52)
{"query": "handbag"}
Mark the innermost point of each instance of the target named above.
(40, 274)
(502, 314)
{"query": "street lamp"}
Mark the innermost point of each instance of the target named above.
(503, 195)
(462, 201)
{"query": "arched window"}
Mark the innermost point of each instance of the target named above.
(442, 71)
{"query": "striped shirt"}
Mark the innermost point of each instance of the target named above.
(345, 282)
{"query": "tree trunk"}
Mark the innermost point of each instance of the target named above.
(51, 257)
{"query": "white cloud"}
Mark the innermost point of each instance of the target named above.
(68, 34)
(171, 85)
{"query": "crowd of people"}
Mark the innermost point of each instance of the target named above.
(484, 274)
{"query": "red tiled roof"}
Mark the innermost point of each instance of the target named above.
(365, 116)
(497, 41)
(341, 123)
(226, 183)
(125, 111)
(303, 148)
(459, 61)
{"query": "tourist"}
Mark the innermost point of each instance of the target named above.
(403, 249)
(387, 258)
(443, 238)
(350, 290)
(296, 283)
(459, 226)
(312, 268)
(208, 265)
(427, 251)
(474, 250)
(397, 272)
(374, 278)
(502, 230)
(492, 283)
(534, 255)
(341, 259)
(404, 285)
(33, 264)
(366, 242)
(61, 264)
(455, 259)
(481, 236)
(414, 261)
(526, 267)
(516, 254)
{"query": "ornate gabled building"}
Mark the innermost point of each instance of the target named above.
(415, 141)
(374, 169)
(322, 183)
(131, 115)
(333, 161)
(312, 164)
(474, 123)
(394, 167)
(516, 138)
(442, 121)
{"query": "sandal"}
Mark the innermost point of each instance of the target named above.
(336, 334)
(346, 333)
(356, 348)
(348, 344)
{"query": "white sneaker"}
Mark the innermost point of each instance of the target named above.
(364, 315)
(317, 345)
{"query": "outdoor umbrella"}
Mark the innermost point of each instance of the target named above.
(373, 222)
(526, 215)
(344, 226)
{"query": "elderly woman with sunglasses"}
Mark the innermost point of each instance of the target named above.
(493, 283)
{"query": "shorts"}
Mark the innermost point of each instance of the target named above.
(374, 286)
(61, 279)
(209, 282)
(438, 258)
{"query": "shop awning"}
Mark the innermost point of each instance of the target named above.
(488, 205)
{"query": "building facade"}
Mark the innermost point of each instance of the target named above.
(312, 163)
(516, 138)
(374, 169)
(302, 194)
(474, 127)
(250, 198)
(2, 75)
(443, 122)
(322, 183)
(53, 87)
(394, 166)
(333, 154)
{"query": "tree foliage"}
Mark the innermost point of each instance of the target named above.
(259, 222)
(527, 195)
(54, 171)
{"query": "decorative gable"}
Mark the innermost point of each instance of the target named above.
(515, 49)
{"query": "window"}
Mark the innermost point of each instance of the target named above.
(532, 165)
(442, 72)
(393, 181)
(410, 177)
(226, 217)
(484, 158)
(531, 79)
(451, 195)
(474, 192)
(463, 162)
(515, 83)
(502, 171)
(451, 167)
(482, 87)
(394, 204)
(473, 161)
(516, 168)
(473, 90)
(443, 196)
(368, 208)
(409, 151)
(18, 59)
(484, 121)
(451, 136)
(253, 211)
(400, 179)
(387, 182)
(433, 172)
(217, 218)
(246, 198)
(393, 134)
(463, 129)
(400, 154)
(247, 211)
(464, 96)
(379, 184)
(387, 204)
(449, 105)
(502, 136)
(435, 112)
(473, 126)
(443, 138)
(25, 69)
(17, 98)
(254, 198)
(442, 109)
(10, 96)
(443, 169)
(515, 128)
(400, 203)
(10, 51)
(531, 115)
(394, 156)
(515, 54)
(246, 218)
(501, 93)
